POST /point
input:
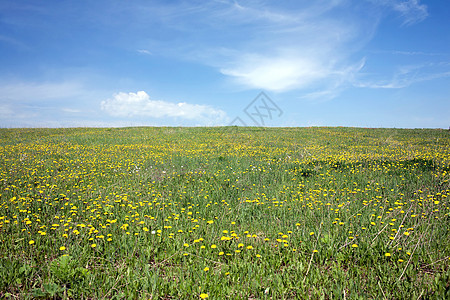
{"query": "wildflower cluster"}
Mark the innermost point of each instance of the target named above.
(206, 212)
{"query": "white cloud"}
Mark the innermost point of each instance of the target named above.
(140, 105)
(276, 73)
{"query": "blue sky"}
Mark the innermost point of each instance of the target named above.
(365, 63)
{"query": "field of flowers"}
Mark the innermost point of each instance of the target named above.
(225, 213)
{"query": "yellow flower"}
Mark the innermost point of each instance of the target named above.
(387, 254)
(249, 247)
(203, 296)
(186, 245)
(62, 248)
(221, 253)
(145, 229)
(213, 246)
(206, 269)
(94, 245)
(355, 246)
(311, 233)
(31, 242)
(240, 245)
(315, 251)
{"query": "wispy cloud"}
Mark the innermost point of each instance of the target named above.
(287, 50)
(32, 91)
(411, 11)
(130, 105)
(144, 51)
(407, 75)
(410, 53)
(260, 45)
(70, 110)
(5, 110)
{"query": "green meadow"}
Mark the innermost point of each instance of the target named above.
(224, 213)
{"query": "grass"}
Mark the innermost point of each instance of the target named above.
(224, 213)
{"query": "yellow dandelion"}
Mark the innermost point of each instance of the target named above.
(206, 269)
(387, 254)
(213, 246)
(355, 246)
(203, 296)
(31, 242)
(94, 245)
(62, 248)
